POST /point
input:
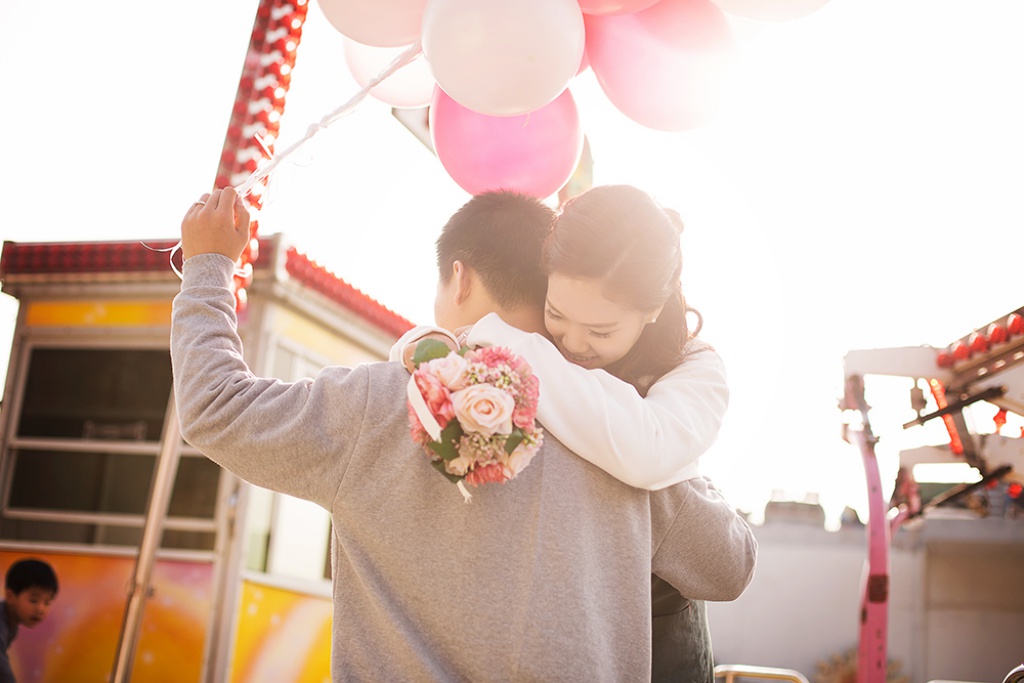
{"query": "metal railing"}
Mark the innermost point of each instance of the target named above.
(733, 672)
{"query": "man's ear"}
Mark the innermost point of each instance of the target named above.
(462, 280)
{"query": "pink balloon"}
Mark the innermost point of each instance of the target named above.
(662, 66)
(410, 87)
(770, 10)
(533, 153)
(614, 6)
(381, 23)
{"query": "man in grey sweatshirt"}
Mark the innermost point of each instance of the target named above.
(544, 578)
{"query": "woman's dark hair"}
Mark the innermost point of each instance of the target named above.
(620, 237)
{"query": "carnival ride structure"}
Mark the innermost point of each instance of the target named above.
(984, 366)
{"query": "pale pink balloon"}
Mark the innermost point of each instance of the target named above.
(533, 153)
(771, 10)
(662, 66)
(409, 87)
(614, 6)
(503, 58)
(381, 23)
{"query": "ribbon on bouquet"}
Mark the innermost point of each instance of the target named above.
(426, 418)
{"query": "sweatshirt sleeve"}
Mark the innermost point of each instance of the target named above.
(291, 437)
(702, 546)
(648, 442)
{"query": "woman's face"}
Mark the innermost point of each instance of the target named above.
(589, 329)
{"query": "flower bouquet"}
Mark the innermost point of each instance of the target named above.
(473, 411)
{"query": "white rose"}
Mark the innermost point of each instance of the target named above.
(452, 370)
(458, 466)
(484, 409)
(520, 458)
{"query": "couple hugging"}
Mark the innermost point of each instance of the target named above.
(593, 563)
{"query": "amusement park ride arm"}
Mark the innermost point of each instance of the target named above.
(986, 365)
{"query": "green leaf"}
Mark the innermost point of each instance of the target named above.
(445, 449)
(429, 349)
(445, 446)
(514, 439)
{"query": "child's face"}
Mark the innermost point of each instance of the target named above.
(29, 606)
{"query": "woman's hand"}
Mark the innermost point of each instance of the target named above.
(410, 348)
(216, 224)
(462, 333)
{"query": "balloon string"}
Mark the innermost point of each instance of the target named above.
(264, 170)
(414, 51)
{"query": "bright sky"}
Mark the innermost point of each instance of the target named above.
(859, 188)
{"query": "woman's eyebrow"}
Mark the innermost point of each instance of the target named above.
(592, 325)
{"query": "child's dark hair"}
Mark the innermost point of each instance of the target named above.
(30, 573)
(499, 234)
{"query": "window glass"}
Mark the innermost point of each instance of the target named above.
(118, 394)
(85, 482)
(109, 398)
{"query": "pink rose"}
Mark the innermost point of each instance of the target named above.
(416, 430)
(436, 396)
(452, 370)
(484, 409)
(526, 406)
(489, 474)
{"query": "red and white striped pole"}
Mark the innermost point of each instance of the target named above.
(258, 108)
(253, 128)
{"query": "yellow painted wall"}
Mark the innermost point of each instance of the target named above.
(98, 313)
(78, 639)
(283, 637)
(318, 339)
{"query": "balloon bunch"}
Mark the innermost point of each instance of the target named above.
(496, 73)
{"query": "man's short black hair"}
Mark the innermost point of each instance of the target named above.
(30, 573)
(499, 234)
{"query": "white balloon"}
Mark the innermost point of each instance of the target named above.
(503, 58)
(381, 23)
(410, 87)
(770, 10)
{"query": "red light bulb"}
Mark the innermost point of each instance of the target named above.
(996, 333)
(1015, 324)
(961, 351)
(978, 343)
(944, 359)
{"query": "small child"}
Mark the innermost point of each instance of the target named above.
(29, 588)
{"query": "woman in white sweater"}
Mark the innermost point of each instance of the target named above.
(625, 383)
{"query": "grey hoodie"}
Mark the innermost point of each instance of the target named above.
(545, 577)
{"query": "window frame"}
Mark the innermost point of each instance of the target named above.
(14, 446)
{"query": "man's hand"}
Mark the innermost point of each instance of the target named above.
(216, 224)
